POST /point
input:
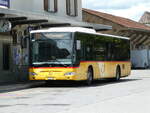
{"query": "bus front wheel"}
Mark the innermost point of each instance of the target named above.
(89, 76)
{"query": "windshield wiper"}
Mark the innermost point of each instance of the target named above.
(49, 64)
(41, 64)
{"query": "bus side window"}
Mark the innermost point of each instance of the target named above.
(89, 52)
(79, 47)
(86, 51)
(109, 50)
(118, 50)
(113, 52)
(100, 49)
(89, 47)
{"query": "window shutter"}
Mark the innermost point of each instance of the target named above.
(72, 7)
(52, 5)
(68, 7)
(46, 5)
(55, 5)
(76, 7)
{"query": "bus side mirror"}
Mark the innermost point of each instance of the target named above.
(78, 45)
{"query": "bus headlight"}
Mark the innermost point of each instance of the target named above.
(70, 74)
(32, 73)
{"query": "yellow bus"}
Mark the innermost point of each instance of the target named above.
(76, 54)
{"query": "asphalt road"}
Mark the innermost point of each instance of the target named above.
(129, 95)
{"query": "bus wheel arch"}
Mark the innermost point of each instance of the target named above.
(118, 73)
(90, 75)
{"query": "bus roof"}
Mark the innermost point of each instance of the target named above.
(66, 29)
(75, 29)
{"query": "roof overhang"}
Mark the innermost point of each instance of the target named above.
(97, 27)
(22, 17)
(137, 30)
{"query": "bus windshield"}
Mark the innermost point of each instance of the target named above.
(51, 48)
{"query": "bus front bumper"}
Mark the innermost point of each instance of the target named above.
(52, 74)
(38, 77)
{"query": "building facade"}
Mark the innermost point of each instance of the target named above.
(70, 9)
(145, 19)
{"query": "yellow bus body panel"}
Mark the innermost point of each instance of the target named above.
(100, 70)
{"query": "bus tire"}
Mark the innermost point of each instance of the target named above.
(89, 76)
(118, 73)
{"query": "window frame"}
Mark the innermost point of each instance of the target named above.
(47, 6)
(69, 6)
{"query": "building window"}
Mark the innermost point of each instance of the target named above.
(72, 7)
(6, 56)
(50, 5)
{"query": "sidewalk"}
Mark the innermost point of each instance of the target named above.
(19, 86)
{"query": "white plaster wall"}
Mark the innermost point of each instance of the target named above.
(37, 6)
(25, 5)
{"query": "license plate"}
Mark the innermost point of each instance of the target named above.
(50, 78)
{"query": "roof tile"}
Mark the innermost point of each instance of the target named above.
(119, 20)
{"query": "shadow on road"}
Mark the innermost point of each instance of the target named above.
(109, 81)
(68, 84)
